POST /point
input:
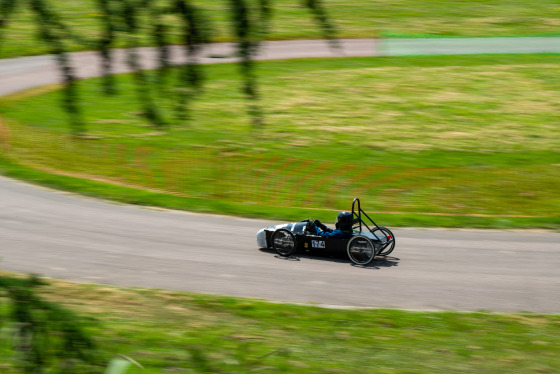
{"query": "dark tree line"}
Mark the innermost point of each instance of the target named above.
(126, 19)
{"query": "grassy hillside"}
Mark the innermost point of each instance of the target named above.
(354, 19)
(418, 135)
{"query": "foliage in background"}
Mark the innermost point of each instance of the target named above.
(50, 30)
(129, 19)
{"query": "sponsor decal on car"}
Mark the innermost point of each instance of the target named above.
(318, 244)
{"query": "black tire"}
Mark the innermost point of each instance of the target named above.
(389, 245)
(361, 250)
(283, 242)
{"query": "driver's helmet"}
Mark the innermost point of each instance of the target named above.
(344, 221)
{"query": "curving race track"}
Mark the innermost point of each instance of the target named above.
(65, 236)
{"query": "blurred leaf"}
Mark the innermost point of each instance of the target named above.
(117, 366)
(120, 365)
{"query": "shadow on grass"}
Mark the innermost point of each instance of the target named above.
(378, 263)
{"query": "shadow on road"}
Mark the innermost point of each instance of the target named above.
(377, 263)
(380, 262)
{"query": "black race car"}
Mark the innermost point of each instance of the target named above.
(366, 241)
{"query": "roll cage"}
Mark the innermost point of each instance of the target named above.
(358, 222)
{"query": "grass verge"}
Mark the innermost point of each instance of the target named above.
(173, 332)
(142, 197)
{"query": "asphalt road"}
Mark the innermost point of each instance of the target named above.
(79, 239)
(22, 73)
(64, 236)
(18, 74)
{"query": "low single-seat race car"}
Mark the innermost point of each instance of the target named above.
(366, 241)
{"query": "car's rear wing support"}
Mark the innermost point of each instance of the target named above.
(357, 213)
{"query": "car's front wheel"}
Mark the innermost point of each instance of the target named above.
(283, 242)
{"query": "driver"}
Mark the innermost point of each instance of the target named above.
(343, 227)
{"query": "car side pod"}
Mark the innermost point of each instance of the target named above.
(361, 250)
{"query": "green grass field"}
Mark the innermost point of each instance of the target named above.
(172, 332)
(455, 135)
(354, 19)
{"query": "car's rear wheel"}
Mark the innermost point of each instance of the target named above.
(360, 250)
(389, 245)
(283, 242)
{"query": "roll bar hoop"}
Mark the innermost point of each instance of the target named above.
(357, 218)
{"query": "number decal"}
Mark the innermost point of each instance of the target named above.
(317, 244)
